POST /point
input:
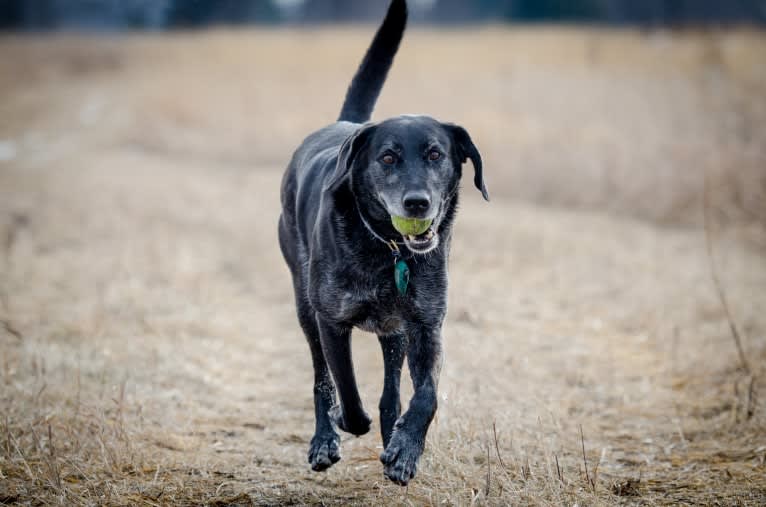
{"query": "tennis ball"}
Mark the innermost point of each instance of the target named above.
(411, 226)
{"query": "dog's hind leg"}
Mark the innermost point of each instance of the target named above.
(336, 343)
(324, 450)
(394, 348)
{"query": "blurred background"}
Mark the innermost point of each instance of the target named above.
(160, 14)
(149, 350)
(643, 88)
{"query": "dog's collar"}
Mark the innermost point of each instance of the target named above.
(401, 269)
(393, 245)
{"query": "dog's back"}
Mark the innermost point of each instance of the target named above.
(312, 163)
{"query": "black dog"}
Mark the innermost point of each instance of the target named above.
(339, 193)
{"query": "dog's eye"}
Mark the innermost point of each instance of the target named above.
(388, 159)
(434, 155)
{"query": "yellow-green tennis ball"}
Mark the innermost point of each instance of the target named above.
(411, 226)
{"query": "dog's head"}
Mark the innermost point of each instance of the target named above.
(408, 166)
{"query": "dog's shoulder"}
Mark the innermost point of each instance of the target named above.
(312, 163)
(315, 158)
(321, 144)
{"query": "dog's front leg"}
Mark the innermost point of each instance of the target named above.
(401, 455)
(393, 347)
(336, 344)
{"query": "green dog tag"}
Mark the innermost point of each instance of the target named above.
(401, 276)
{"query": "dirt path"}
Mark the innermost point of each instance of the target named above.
(163, 279)
(151, 354)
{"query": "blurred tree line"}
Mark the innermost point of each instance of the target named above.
(161, 14)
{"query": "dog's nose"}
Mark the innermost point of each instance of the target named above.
(416, 203)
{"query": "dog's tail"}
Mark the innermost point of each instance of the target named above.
(369, 78)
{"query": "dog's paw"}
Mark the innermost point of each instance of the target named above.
(357, 425)
(324, 451)
(401, 458)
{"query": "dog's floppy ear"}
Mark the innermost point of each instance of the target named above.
(346, 158)
(466, 149)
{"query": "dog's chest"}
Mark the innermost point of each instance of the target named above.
(371, 308)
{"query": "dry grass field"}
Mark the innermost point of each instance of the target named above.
(149, 352)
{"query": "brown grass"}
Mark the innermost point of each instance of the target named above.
(150, 354)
